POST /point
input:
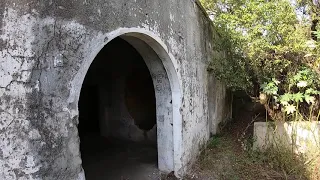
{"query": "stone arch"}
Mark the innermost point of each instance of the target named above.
(166, 80)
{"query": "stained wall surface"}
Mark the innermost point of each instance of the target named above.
(46, 48)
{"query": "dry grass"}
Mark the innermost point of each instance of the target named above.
(225, 160)
(229, 156)
(297, 166)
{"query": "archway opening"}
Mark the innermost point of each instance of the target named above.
(118, 114)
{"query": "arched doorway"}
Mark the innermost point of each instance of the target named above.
(128, 71)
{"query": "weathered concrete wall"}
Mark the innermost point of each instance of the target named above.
(301, 137)
(219, 105)
(46, 47)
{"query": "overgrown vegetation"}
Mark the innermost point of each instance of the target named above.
(273, 52)
(225, 157)
(268, 45)
(230, 155)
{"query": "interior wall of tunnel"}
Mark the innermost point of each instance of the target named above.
(118, 91)
(164, 101)
(114, 76)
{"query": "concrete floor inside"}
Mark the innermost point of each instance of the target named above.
(114, 159)
(108, 151)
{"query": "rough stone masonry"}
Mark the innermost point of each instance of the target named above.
(46, 48)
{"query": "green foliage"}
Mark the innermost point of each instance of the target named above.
(300, 90)
(269, 47)
(270, 88)
(214, 142)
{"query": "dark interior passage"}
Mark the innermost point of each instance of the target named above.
(140, 98)
(89, 114)
(117, 116)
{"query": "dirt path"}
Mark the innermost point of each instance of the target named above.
(227, 158)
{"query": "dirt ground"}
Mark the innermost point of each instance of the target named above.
(227, 156)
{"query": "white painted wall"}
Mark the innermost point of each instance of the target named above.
(301, 137)
(45, 56)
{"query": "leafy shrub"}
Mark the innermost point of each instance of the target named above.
(270, 49)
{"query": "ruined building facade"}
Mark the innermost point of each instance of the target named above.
(48, 48)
